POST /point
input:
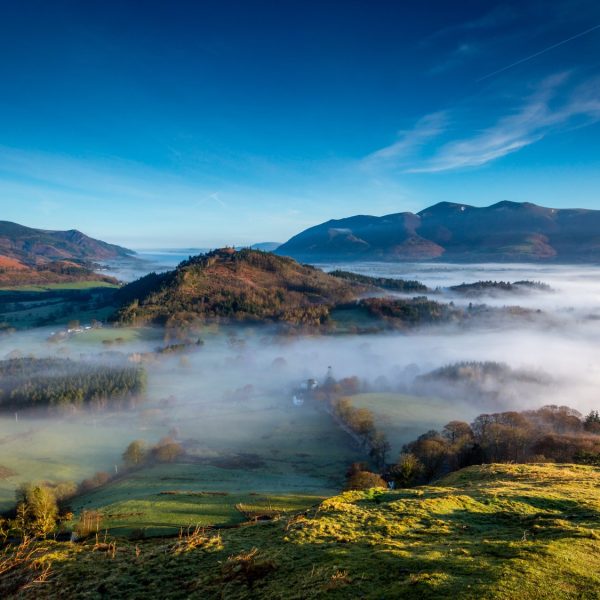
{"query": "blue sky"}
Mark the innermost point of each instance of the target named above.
(169, 124)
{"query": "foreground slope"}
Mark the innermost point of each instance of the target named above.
(494, 531)
(505, 231)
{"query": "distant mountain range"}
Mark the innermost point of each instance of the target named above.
(20, 245)
(506, 231)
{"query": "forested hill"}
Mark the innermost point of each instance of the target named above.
(506, 231)
(20, 245)
(243, 285)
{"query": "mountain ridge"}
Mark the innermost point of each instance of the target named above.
(35, 247)
(506, 231)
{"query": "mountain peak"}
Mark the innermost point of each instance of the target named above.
(504, 231)
(446, 208)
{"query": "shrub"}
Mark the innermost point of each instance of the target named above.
(365, 480)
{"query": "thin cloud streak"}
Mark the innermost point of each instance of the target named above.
(536, 54)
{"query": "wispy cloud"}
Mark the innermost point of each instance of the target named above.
(455, 59)
(409, 141)
(496, 17)
(548, 109)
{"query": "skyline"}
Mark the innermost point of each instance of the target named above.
(207, 125)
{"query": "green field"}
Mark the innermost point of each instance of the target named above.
(72, 285)
(403, 417)
(296, 459)
(500, 532)
(30, 306)
(70, 450)
(160, 500)
(118, 335)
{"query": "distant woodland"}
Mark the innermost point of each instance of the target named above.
(59, 384)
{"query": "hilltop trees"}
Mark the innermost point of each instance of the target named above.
(397, 285)
(216, 286)
(401, 312)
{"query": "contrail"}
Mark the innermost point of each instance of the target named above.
(574, 37)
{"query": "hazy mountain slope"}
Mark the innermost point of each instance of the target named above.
(495, 531)
(363, 237)
(244, 284)
(266, 246)
(38, 246)
(506, 231)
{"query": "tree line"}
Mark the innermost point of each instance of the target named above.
(408, 286)
(549, 434)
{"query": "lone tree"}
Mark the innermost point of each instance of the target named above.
(135, 454)
(37, 510)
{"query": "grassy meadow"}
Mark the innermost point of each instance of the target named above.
(56, 304)
(502, 532)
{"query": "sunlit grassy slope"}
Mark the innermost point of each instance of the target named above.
(498, 531)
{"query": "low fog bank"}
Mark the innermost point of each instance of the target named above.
(575, 288)
(565, 357)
